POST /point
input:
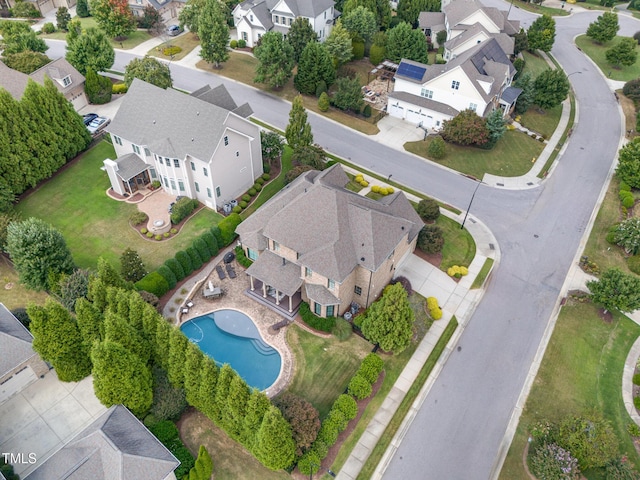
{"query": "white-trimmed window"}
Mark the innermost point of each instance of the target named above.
(193, 166)
(276, 246)
(66, 81)
(176, 163)
(307, 272)
(205, 171)
(226, 140)
(426, 93)
(331, 284)
(167, 161)
(473, 106)
(330, 309)
(117, 139)
(357, 290)
(180, 185)
(136, 148)
(218, 192)
(197, 186)
(173, 183)
(208, 192)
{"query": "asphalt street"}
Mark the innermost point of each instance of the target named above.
(458, 433)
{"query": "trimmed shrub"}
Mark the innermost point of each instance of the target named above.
(359, 387)
(377, 54)
(166, 234)
(260, 181)
(138, 217)
(153, 283)
(257, 187)
(242, 258)
(242, 43)
(167, 433)
(357, 47)
(437, 148)
(185, 261)
(308, 461)
(457, 271)
(149, 234)
(158, 237)
(347, 405)
(176, 268)
(328, 433)
(182, 209)
(371, 367)
(323, 102)
(434, 309)
(628, 201)
(173, 50)
(338, 419)
(375, 189)
(48, 28)
(633, 429)
(318, 323)
(252, 192)
(430, 239)
(611, 234)
(196, 259)
(168, 275)
(144, 231)
(246, 197)
(624, 187)
(636, 402)
(342, 330)
(227, 228)
(634, 265)
(428, 209)
(243, 204)
(211, 242)
(366, 111)
(233, 44)
(266, 176)
(217, 234)
(119, 88)
(203, 249)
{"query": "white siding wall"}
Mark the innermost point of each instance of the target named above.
(464, 46)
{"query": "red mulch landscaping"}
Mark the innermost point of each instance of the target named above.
(434, 259)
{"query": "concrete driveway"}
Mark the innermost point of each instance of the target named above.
(108, 110)
(44, 416)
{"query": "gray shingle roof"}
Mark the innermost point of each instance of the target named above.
(171, 123)
(13, 81)
(424, 102)
(308, 8)
(320, 294)
(15, 342)
(129, 166)
(511, 94)
(270, 269)
(459, 10)
(57, 70)
(431, 20)
(332, 229)
(114, 447)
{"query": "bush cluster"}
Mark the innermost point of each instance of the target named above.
(434, 309)
(457, 271)
(295, 172)
(633, 263)
(118, 88)
(48, 28)
(360, 179)
(242, 258)
(242, 43)
(318, 323)
(167, 433)
(428, 210)
(382, 190)
(182, 209)
(137, 218)
(233, 44)
(169, 51)
(431, 239)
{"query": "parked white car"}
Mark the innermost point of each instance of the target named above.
(97, 124)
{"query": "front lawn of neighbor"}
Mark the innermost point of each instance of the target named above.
(541, 121)
(541, 10)
(134, 39)
(187, 42)
(597, 53)
(581, 370)
(93, 225)
(534, 64)
(242, 67)
(459, 246)
(511, 157)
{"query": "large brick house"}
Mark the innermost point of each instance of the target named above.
(319, 242)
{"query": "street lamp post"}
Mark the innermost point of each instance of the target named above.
(470, 202)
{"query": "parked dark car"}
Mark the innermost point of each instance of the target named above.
(173, 30)
(89, 117)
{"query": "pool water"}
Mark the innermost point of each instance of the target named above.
(230, 336)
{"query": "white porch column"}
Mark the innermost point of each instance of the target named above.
(252, 287)
(290, 304)
(264, 290)
(277, 297)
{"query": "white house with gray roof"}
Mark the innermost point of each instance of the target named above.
(168, 9)
(201, 146)
(114, 447)
(20, 365)
(479, 79)
(319, 242)
(254, 18)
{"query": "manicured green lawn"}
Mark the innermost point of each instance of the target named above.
(482, 275)
(510, 157)
(319, 359)
(581, 369)
(534, 64)
(134, 39)
(541, 10)
(459, 246)
(597, 53)
(540, 121)
(94, 225)
(12, 293)
(186, 42)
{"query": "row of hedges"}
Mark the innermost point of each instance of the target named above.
(343, 410)
(252, 192)
(318, 323)
(187, 261)
(167, 433)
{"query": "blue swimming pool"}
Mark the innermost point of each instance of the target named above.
(230, 336)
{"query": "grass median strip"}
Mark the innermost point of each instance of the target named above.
(482, 275)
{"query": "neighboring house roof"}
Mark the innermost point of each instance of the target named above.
(505, 41)
(15, 342)
(308, 8)
(485, 62)
(424, 102)
(432, 20)
(263, 9)
(170, 123)
(15, 82)
(114, 447)
(332, 229)
(221, 97)
(459, 10)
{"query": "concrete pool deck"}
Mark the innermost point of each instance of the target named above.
(234, 298)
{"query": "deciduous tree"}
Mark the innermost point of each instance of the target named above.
(604, 28)
(348, 95)
(214, 33)
(616, 290)
(551, 87)
(311, 155)
(430, 239)
(37, 250)
(623, 53)
(466, 128)
(91, 49)
(338, 44)
(298, 131)
(300, 34)
(360, 23)
(19, 37)
(272, 145)
(150, 70)
(303, 418)
(405, 42)
(114, 17)
(389, 321)
(542, 34)
(628, 169)
(315, 66)
(190, 14)
(276, 60)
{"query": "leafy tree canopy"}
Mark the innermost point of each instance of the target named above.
(551, 87)
(213, 31)
(114, 17)
(629, 163)
(150, 70)
(276, 57)
(542, 34)
(623, 53)
(360, 23)
(300, 33)
(604, 28)
(298, 131)
(315, 66)
(616, 290)
(406, 42)
(466, 128)
(26, 61)
(91, 49)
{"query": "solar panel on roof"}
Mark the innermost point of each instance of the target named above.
(414, 72)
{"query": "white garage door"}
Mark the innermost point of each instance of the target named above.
(413, 116)
(16, 383)
(396, 111)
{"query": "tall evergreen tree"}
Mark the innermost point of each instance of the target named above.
(82, 8)
(237, 407)
(496, 127)
(338, 44)
(214, 33)
(298, 131)
(348, 95)
(526, 98)
(207, 387)
(137, 307)
(91, 49)
(90, 322)
(117, 330)
(57, 338)
(276, 57)
(177, 351)
(192, 372)
(409, 10)
(119, 376)
(257, 406)
(15, 155)
(131, 265)
(300, 34)
(37, 251)
(360, 23)
(223, 384)
(406, 42)
(315, 66)
(275, 447)
(163, 344)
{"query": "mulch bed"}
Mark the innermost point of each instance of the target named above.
(434, 259)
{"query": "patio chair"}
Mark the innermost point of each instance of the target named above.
(231, 271)
(220, 272)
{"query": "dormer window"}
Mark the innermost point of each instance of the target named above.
(66, 81)
(250, 18)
